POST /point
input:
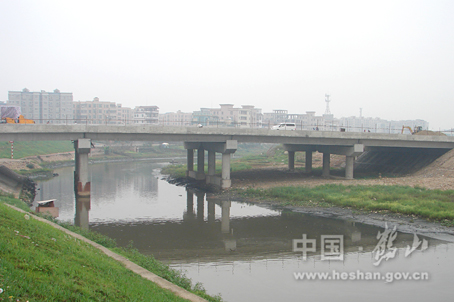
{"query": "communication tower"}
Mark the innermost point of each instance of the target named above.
(327, 100)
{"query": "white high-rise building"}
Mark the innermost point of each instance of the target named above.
(43, 107)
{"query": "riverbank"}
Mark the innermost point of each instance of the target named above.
(42, 263)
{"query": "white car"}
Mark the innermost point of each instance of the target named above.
(285, 126)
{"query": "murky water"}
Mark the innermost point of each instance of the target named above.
(245, 252)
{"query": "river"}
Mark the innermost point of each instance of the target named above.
(246, 252)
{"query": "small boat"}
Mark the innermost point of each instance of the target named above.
(46, 203)
(48, 207)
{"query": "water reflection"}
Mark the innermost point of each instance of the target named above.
(81, 219)
(205, 238)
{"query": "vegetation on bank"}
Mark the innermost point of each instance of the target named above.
(246, 158)
(42, 263)
(435, 205)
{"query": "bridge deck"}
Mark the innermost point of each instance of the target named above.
(11, 132)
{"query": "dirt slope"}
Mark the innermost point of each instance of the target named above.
(441, 167)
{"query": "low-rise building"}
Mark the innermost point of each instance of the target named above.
(101, 112)
(146, 115)
(176, 118)
(246, 116)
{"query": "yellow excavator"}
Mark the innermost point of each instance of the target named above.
(416, 130)
(20, 120)
(12, 115)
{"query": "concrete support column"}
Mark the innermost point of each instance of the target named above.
(291, 161)
(190, 164)
(225, 178)
(211, 163)
(200, 164)
(201, 160)
(225, 217)
(82, 183)
(308, 161)
(349, 162)
(326, 164)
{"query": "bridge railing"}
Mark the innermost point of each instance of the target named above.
(377, 128)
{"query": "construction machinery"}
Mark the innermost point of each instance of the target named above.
(12, 115)
(414, 131)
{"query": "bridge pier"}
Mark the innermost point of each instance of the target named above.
(225, 149)
(190, 162)
(200, 164)
(81, 178)
(211, 163)
(350, 153)
(291, 161)
(326, 164)
(349, 163)
(308, 166)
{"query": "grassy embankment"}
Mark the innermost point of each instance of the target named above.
(435, 205)
(41, 263)
(34, 148)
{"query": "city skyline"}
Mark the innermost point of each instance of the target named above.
(390, 58)
(59, 108)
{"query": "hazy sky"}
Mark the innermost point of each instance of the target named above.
(394, 59)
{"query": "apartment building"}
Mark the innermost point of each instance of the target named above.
(176, 118)
(246, 116)
(146, 115)
(44, 107)
(101, 112)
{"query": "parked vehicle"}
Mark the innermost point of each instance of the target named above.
(284, 126)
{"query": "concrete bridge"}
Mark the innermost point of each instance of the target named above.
(224, 141)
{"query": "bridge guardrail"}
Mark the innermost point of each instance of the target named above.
(299, 126)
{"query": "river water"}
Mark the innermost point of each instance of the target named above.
(245, 252)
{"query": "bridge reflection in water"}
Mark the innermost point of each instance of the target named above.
(205, 238)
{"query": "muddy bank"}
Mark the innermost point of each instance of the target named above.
(20, 186)
(404, 223)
